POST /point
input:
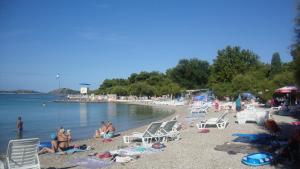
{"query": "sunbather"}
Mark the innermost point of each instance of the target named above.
(101, 131)
(110, 130)
(63, 139)
(54, 148)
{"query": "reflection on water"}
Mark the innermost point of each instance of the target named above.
(19, 135)
(111, 109)
(81, 118)
(83, 114)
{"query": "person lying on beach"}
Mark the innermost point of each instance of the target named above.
(101, 131)
(110, 130)
(63, 139)
(53, 149)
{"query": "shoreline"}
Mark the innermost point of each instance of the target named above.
(99, 146)
(193, 151)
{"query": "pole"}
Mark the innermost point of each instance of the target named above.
(58, 78)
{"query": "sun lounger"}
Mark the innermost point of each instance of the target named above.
(252, 115)
(22, 154)
(152, 132)
(220, 122)
(169, 130)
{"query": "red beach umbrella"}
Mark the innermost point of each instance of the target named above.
(288, 89)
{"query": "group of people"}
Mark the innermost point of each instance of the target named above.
(106, 130)
(60, 141)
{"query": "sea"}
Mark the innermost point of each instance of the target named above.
(42, 116)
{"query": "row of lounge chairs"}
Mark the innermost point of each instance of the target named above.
(156, 131)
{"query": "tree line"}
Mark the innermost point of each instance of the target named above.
(234, 70)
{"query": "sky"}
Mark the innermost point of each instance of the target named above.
(89, 41)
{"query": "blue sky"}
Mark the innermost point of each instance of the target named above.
(89, 41)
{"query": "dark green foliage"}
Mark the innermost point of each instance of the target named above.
(275, 64)
(234, 71)
(296, 48)
(230, 62)
(142, 84)
(190, 74)
(228, 72)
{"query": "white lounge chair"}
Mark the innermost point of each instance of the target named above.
(169, 130)
(22, 154)
(220, 122)
(252, 115)
(152, 132)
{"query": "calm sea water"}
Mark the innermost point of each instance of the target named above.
(42, 116)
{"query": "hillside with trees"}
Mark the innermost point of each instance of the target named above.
(233, 71)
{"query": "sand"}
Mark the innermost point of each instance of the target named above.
(193, 150)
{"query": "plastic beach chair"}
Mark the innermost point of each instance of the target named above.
(220, 122)
(152, 132)
(22, 154)
(169, 130)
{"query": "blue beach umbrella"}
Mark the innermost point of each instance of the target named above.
(199, 98)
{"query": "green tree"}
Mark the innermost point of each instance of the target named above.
(275, 64)
(190, 74)
(119, 90)
(296, 48)
(230, 62)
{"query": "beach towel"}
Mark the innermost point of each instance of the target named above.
(106, 140)
(264, 139)
(203, 130)
(70, 151)
(104, 155)
(296, 123)
(90, 163)
(123, 159)
(129, 151)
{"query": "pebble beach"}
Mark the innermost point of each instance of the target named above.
(193, 151)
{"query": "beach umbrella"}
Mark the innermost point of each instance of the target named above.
(199, 98)
(288, 89)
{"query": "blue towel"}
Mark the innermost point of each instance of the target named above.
(264, 139)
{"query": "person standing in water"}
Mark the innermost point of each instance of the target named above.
(19, 124)
(19, 128)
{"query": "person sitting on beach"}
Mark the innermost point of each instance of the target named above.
(101, 131)
(110, 131)
(63, 139)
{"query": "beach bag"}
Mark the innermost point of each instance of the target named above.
(82, 147)
(158, 146)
